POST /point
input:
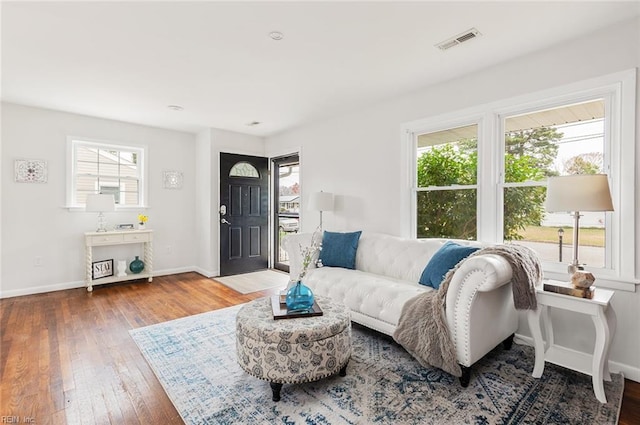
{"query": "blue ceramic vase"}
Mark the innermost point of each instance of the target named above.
(136, 265)
(299, 297)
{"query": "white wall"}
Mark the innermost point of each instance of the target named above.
(357, 155)
(35, 221)
(209, 144)
(205, 255)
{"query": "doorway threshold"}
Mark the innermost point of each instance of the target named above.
(255, 281)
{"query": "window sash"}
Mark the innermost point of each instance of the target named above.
(447, 220)
(127, 177)
(500, 118)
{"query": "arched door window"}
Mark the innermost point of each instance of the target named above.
(244, 169)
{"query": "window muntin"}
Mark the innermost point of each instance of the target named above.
(446, 183)
(563, 140)
(106, 168)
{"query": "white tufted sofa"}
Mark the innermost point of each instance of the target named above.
(479, 304)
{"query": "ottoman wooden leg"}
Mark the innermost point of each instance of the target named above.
(343, 371)
(275, 387)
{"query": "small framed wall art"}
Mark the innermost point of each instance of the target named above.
(30, 171)
(172, 179)
(101, 269)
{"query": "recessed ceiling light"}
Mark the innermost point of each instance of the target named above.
(276, 35)
(175, 107)
(252, 123)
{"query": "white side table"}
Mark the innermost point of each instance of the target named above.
(604, 319)
(94, 239)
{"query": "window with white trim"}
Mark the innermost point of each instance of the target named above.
(582, 128)
(106, 168)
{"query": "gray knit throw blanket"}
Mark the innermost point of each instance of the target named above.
(422, 329)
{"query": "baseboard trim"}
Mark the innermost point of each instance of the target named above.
(629, 372)
(41, 289)
(80, 284)
(178, 270)
(206, 273)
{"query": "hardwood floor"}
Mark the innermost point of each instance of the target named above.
(67, 358)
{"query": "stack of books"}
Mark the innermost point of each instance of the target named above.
(566, 288)
(280, 310)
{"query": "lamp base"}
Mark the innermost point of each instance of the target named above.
(102, 223)
(575, 264)
(572, 268)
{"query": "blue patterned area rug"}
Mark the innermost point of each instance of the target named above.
(195, 360)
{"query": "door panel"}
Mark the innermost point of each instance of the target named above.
(243, 229)
(235, 243)
(254, 201)
(235, 203)
(254, 241)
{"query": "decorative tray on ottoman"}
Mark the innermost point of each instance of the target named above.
(280, 310)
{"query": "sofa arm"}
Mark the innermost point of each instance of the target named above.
(479, 306)
(291, 244)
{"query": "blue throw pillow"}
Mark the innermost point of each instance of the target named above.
(339, 249)
(444, 260)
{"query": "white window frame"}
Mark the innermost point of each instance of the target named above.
(619, 91)
(140, 150)
(432, 127)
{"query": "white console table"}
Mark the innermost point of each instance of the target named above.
(93, 239)
(604, 319)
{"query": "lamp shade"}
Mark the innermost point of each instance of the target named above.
(100, 203)
(583, 192)
(321, 201)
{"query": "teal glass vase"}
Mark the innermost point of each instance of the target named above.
(299, 297)
(136, 265)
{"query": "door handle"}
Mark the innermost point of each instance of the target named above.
(224, 221)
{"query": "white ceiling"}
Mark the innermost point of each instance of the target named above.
(129, 61)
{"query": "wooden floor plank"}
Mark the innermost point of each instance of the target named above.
(67, 357)
(630, 412)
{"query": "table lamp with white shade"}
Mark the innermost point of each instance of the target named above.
(575, 194)
(101, 204)
(321, 201)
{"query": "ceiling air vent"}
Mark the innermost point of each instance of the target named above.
(460, 38)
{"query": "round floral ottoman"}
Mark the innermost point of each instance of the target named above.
(292, 351)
